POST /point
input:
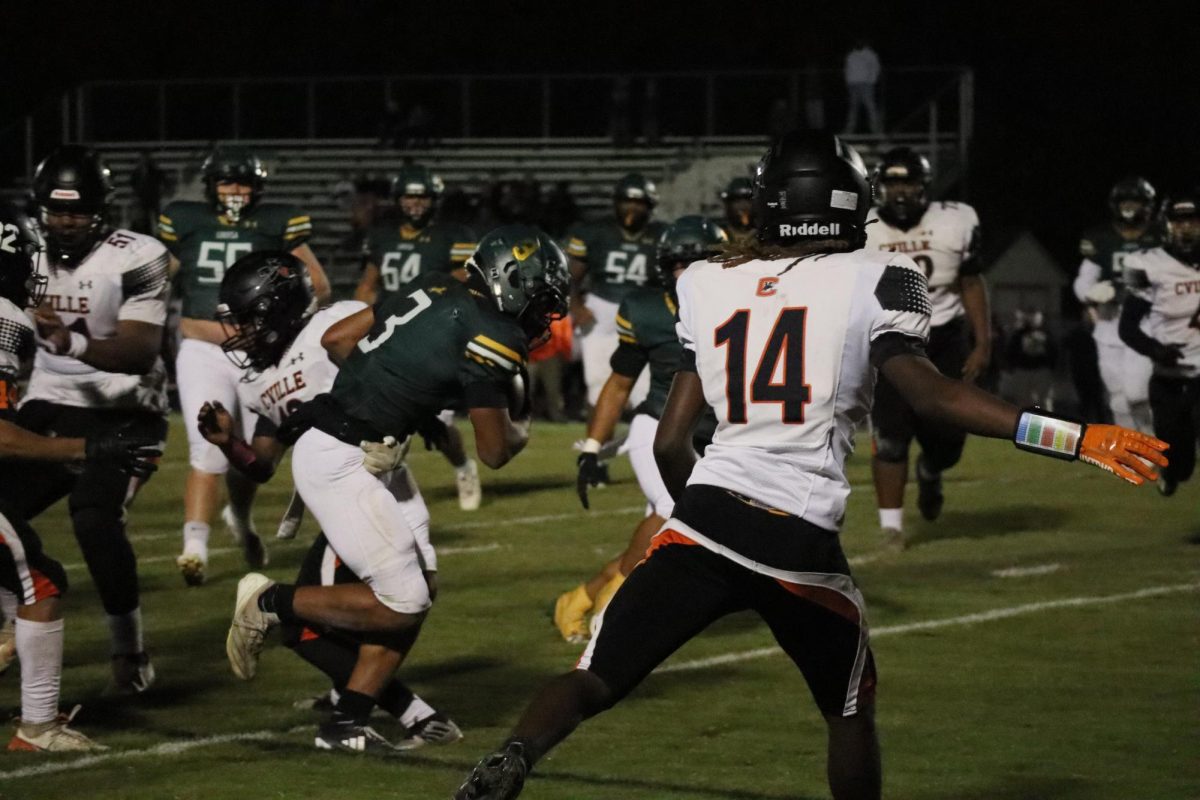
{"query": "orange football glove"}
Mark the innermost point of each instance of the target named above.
(1123, 452)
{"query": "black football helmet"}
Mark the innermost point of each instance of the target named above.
(640, 189)
(687, 239)
(811, 186)
(72, 181)
(266, 298)
(738, 197)
(233, 165)
(415, 180)
(20, 281)
(902, 180)
(525, 272)
(1131, 201)
(1181, 225)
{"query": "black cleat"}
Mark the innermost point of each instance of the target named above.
(1167, 486)
(499, 776)
(350, 737)
(929, 491)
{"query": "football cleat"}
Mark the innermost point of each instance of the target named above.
(350, 737)
(894, 539)
(434, 729)
(55, 736)
(132, 674)
(929, 491)
(192, 566)
(499, 776)
(1167, 486)
(292, 517)
(470, 492)
(570, 613)
(8, 644)
(325, 701)
(250, 626)
(245, 535)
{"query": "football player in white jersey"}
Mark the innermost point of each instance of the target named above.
(1161, 320)
(783, 341)
(1100, 286)
(98, 369)
(943, 239)
(35, 580)
(266, 306)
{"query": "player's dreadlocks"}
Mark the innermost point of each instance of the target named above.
(735, 254)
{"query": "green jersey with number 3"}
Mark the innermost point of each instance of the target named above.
(403, 255)
(438, 344)
(207, 244)
(617, 261)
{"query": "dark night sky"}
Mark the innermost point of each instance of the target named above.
(1069, 96)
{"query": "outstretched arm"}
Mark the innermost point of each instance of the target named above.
(341, 337)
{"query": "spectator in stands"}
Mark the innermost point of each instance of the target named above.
(148, 183)
(862, 70)
(1031, 355)
(559, 210)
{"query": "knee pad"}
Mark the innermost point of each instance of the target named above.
(891, 450)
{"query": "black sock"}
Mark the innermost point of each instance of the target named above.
(277, 600)
(355, 706)
(395, 698)
(334, 660)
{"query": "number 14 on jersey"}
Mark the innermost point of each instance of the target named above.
(786, 344)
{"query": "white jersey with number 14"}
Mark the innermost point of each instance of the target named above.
(783, 352)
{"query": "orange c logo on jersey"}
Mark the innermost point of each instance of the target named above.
(766, 286)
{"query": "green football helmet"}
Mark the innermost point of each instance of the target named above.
(634, 198)
(416, 180)
(525, 272)
(738, 189)
(687, 239)
(233, 165)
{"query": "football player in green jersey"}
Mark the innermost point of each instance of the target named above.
(610, 259)
(442, 343)
(1100, 285)
(737, 197)
(204, 239)
(395, 256)
(646, 329)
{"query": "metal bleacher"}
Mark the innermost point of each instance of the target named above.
(305, 172)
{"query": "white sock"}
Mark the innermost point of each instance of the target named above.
(891, 518)
(40, 648)
(417, 710)
(195, 539)
(467, 466)
(126, 633)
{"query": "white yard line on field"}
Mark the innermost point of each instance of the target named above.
(177, 747)
(947, 622)
(1026, 572)
(220, 551)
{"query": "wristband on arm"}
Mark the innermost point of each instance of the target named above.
(1048, 434)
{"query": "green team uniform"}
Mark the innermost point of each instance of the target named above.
(737, 236)
(207, 244)
(1105, 247)
(401, 258)
(646, 332)
(436, 346)
(616, 260)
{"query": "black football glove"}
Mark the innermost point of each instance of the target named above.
(434, 432)
(590, 474)
(1166, 355)
(124, 450)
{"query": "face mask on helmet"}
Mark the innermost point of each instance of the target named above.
(1132, 211)
(416, 209)
(234, 199)
(633, 214)
(20, 281)
(1183, 232)
(544, 307)
(70, 233)
(902, 202)
(253, 338)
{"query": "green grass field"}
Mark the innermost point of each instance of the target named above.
(1081, 684)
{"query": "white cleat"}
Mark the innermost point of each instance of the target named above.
(470, 492)
(55, 736)
(250, 626)
(435, 729)
(292, 517)
(192, 566)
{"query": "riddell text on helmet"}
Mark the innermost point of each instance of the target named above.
(810, 229)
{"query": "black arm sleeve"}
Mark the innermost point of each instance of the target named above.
(628, 360)
(1129, 329)
(893, 343)
(687, 363)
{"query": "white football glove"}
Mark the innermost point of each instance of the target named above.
(385, 456)
(1103, 292)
